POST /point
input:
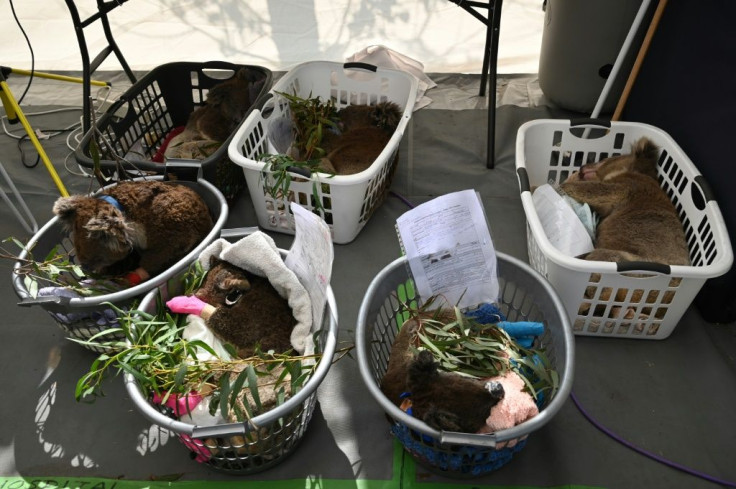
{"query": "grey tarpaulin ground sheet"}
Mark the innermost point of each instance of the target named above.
(673, 397)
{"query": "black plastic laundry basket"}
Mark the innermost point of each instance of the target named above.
(138, 123)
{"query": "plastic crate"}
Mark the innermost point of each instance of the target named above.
(524, 296)
(549, 151)
(348, 201)
(137, 123)
(272, 435)
(83, 317)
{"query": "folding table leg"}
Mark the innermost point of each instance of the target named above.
(492, 22)
(89, 67)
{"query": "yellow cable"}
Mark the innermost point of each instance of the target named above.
(52, 76)
(9, 100)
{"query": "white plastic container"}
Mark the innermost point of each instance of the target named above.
(348, 201)
(549, 151)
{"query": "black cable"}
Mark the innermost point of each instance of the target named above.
(30, 48)
(25, 137)
(23, 154)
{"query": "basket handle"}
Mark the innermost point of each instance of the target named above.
(39, 301)
(456, 438)
(701, 192)
(643, 266)
(358, 65)
(182, 169)
(586, 121)
(304, 172)
(523, 177)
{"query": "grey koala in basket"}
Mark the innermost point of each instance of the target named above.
(638, 221)
(134, 225)
(211, 124)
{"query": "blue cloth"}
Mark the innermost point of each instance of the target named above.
(523, 332)
(112, 201)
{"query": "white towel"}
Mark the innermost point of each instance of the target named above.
(257, 253)
(385, 57)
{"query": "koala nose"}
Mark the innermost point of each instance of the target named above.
(496, 389)
(88, 267)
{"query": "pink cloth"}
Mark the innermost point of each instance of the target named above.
(182, 406)
(516, 406)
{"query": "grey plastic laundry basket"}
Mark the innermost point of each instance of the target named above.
(83, 317)
(524, 296)
(264, 441)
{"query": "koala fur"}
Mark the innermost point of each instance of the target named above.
(638, 221)
(159, 224)
(443, 400)
(249, 310)
(212, 124)
(363, 132)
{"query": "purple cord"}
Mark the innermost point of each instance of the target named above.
(610, 433)
(646, 453)
(402, 199)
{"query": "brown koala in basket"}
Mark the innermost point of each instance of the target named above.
(363, 132)
(211, 124)
(249, 310)
(638, 221)
(443, 400)
(148, 225)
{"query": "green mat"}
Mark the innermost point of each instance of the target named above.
(404, 476)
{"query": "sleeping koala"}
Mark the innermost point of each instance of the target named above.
(148, 225)
(363, 132)
(443, 400)
(211, 124)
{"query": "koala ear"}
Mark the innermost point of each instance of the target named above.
(66, 209)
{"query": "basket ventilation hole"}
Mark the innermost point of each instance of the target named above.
(618, 141)
(579, 155)
(557, 138)
(554, 158)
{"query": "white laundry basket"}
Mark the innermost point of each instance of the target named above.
(549, 151)
(347, 201)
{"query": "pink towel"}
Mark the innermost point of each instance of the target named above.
(516, 406)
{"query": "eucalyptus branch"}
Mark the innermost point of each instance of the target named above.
(164, 363)
(57, 269)
(310, 116)
(98, 145)
(277, 176)
(462, 345)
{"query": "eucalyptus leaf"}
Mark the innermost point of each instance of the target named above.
(238, 386)
(253, 386)
(224, 392)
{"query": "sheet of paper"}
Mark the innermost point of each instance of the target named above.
(310, 258)
(561, 225)
(449, 249)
